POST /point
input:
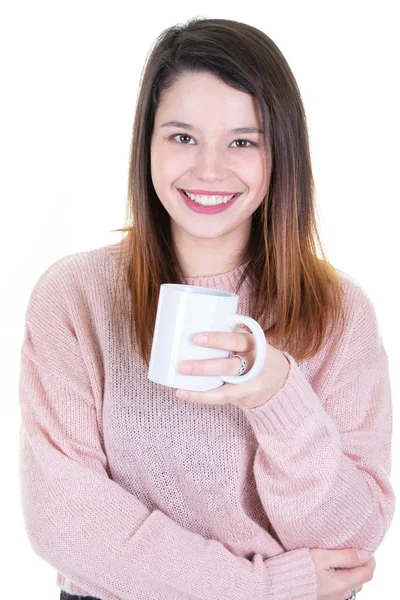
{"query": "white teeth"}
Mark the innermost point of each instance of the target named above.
(209, 200)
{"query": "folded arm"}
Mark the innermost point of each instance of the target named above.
(323, 463)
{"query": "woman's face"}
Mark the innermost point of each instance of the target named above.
(209, 155)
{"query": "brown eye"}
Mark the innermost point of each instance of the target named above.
(251, 143)
(182, 135)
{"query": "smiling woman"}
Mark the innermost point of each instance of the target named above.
(130, 492)
(230, 121)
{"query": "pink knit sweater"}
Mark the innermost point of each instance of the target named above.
(132, 494)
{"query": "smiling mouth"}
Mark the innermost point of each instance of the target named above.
(227, 197)
(207, 209)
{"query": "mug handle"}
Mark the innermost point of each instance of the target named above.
(261, 348)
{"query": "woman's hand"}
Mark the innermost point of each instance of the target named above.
(250, 394)
(340, 570)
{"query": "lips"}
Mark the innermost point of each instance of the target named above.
(207, 210)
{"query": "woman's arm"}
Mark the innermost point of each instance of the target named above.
(84, 524)
(324, 458)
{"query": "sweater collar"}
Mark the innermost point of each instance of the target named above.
(227, 280)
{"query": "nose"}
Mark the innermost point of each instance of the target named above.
(210, 164)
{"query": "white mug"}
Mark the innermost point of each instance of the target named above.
(183, 311)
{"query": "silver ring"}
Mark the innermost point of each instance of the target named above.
(353, 594)
(243, 365)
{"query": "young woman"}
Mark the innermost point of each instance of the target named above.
(263, 490)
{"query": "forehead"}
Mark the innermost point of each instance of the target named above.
(204, 99)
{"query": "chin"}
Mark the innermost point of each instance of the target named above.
(206, 232)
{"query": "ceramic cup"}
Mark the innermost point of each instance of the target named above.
(183, 311)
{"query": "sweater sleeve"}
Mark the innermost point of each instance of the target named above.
(84, 524)
(323, 463)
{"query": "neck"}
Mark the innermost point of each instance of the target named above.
(200, 257)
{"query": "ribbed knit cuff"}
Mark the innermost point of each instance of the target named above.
(292, 575)
(290, 406)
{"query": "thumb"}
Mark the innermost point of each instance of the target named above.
(348, 558)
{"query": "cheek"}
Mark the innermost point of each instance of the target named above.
(252, 169)
(167, 166)
(257, 171)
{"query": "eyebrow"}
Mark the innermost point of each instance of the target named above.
(192, 128)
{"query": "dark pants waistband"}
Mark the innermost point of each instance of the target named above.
(65, 596)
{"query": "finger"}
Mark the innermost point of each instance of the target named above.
(215, 396)
(239, 395)
(211, 367)
(348, 593)
(354, 577)
(227, 340)
(241, 329)
(346, 558)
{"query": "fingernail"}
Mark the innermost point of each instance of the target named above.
(200, 338)
(185, 368)
(182, 395)
(363, 554)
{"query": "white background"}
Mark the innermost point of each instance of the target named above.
(70, 74)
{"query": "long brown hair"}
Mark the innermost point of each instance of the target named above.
(280, 257)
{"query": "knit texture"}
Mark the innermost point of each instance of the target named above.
(131, 494)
